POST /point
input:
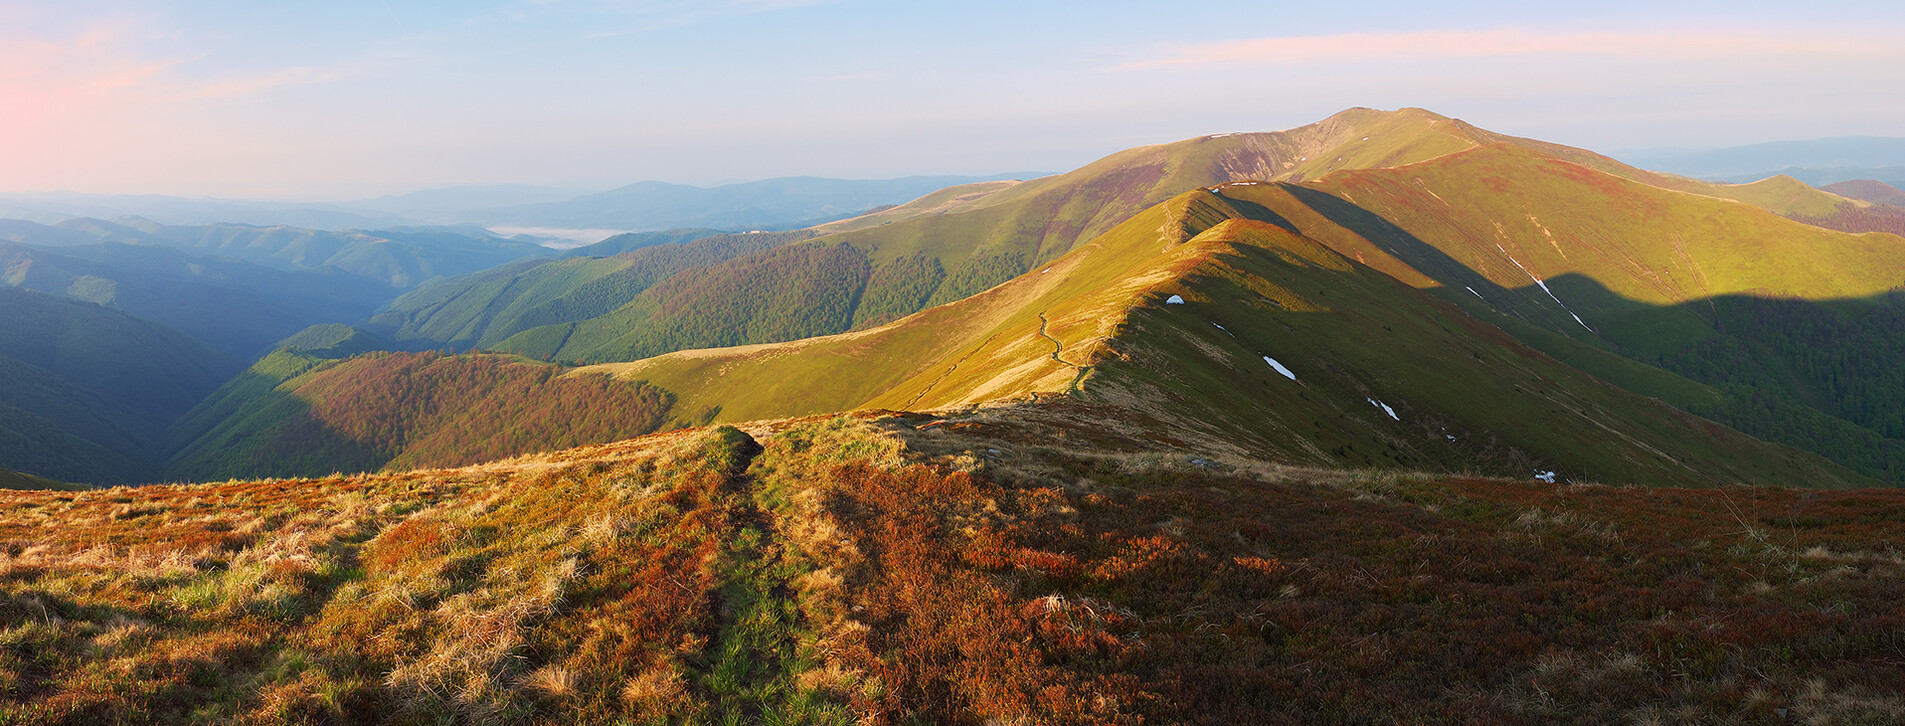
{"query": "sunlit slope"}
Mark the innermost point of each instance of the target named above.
(1502, 218)
(954, 243)
(1384, 375)
(963, 240)
(989, 341)
(1050, 563)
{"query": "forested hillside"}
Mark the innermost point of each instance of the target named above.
(397, 258)
(297, 414)
(85, 390)
(235, 306)
(484, 309)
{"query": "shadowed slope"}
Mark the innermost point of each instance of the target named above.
(297, 414)
(1717, 291)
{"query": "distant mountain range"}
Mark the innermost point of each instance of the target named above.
(784, 203)
(1817, 162)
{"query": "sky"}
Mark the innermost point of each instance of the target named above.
(345, 99)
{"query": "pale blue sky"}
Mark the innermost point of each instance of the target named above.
(341, 99)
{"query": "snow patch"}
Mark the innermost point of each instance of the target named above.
(1226, 330)
(1385, 408)
(1472, 290)
(1174, 300)
(1279, 366)
(1048, 269)
(1544, 288)
(1547, 476)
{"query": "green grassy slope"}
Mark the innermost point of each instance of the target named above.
(1723, 293)
(17, 480)
(98, 373)
(785, 293)
(1095, 326)
(236, 306)
(962, 240)
(483, 309)
(400, 258)
(945, 246)
(631, 241)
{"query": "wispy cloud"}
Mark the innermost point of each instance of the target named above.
(852, 77)
(1429, 45)
(262, 83)
(643, 16)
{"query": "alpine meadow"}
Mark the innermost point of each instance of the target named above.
(1385, 418)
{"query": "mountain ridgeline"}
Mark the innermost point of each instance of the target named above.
(1388, 289)
(1655, 283)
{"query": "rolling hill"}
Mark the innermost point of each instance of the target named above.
(398, 257)
(1664, 277)
(235, 306)
(1675, 281)
(16, 480)
(484, 309)
(783, 203)
(307, 412)
(85, 390)
(1233, 331)
(1869, 190)
(961, 240)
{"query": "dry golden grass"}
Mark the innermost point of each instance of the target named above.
(1013, 565)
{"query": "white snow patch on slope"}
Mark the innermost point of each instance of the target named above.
(1547, 476)
(1279, 366)
(1385, 408)
(1472, 290)
(1174, 300)
(1544, 288)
